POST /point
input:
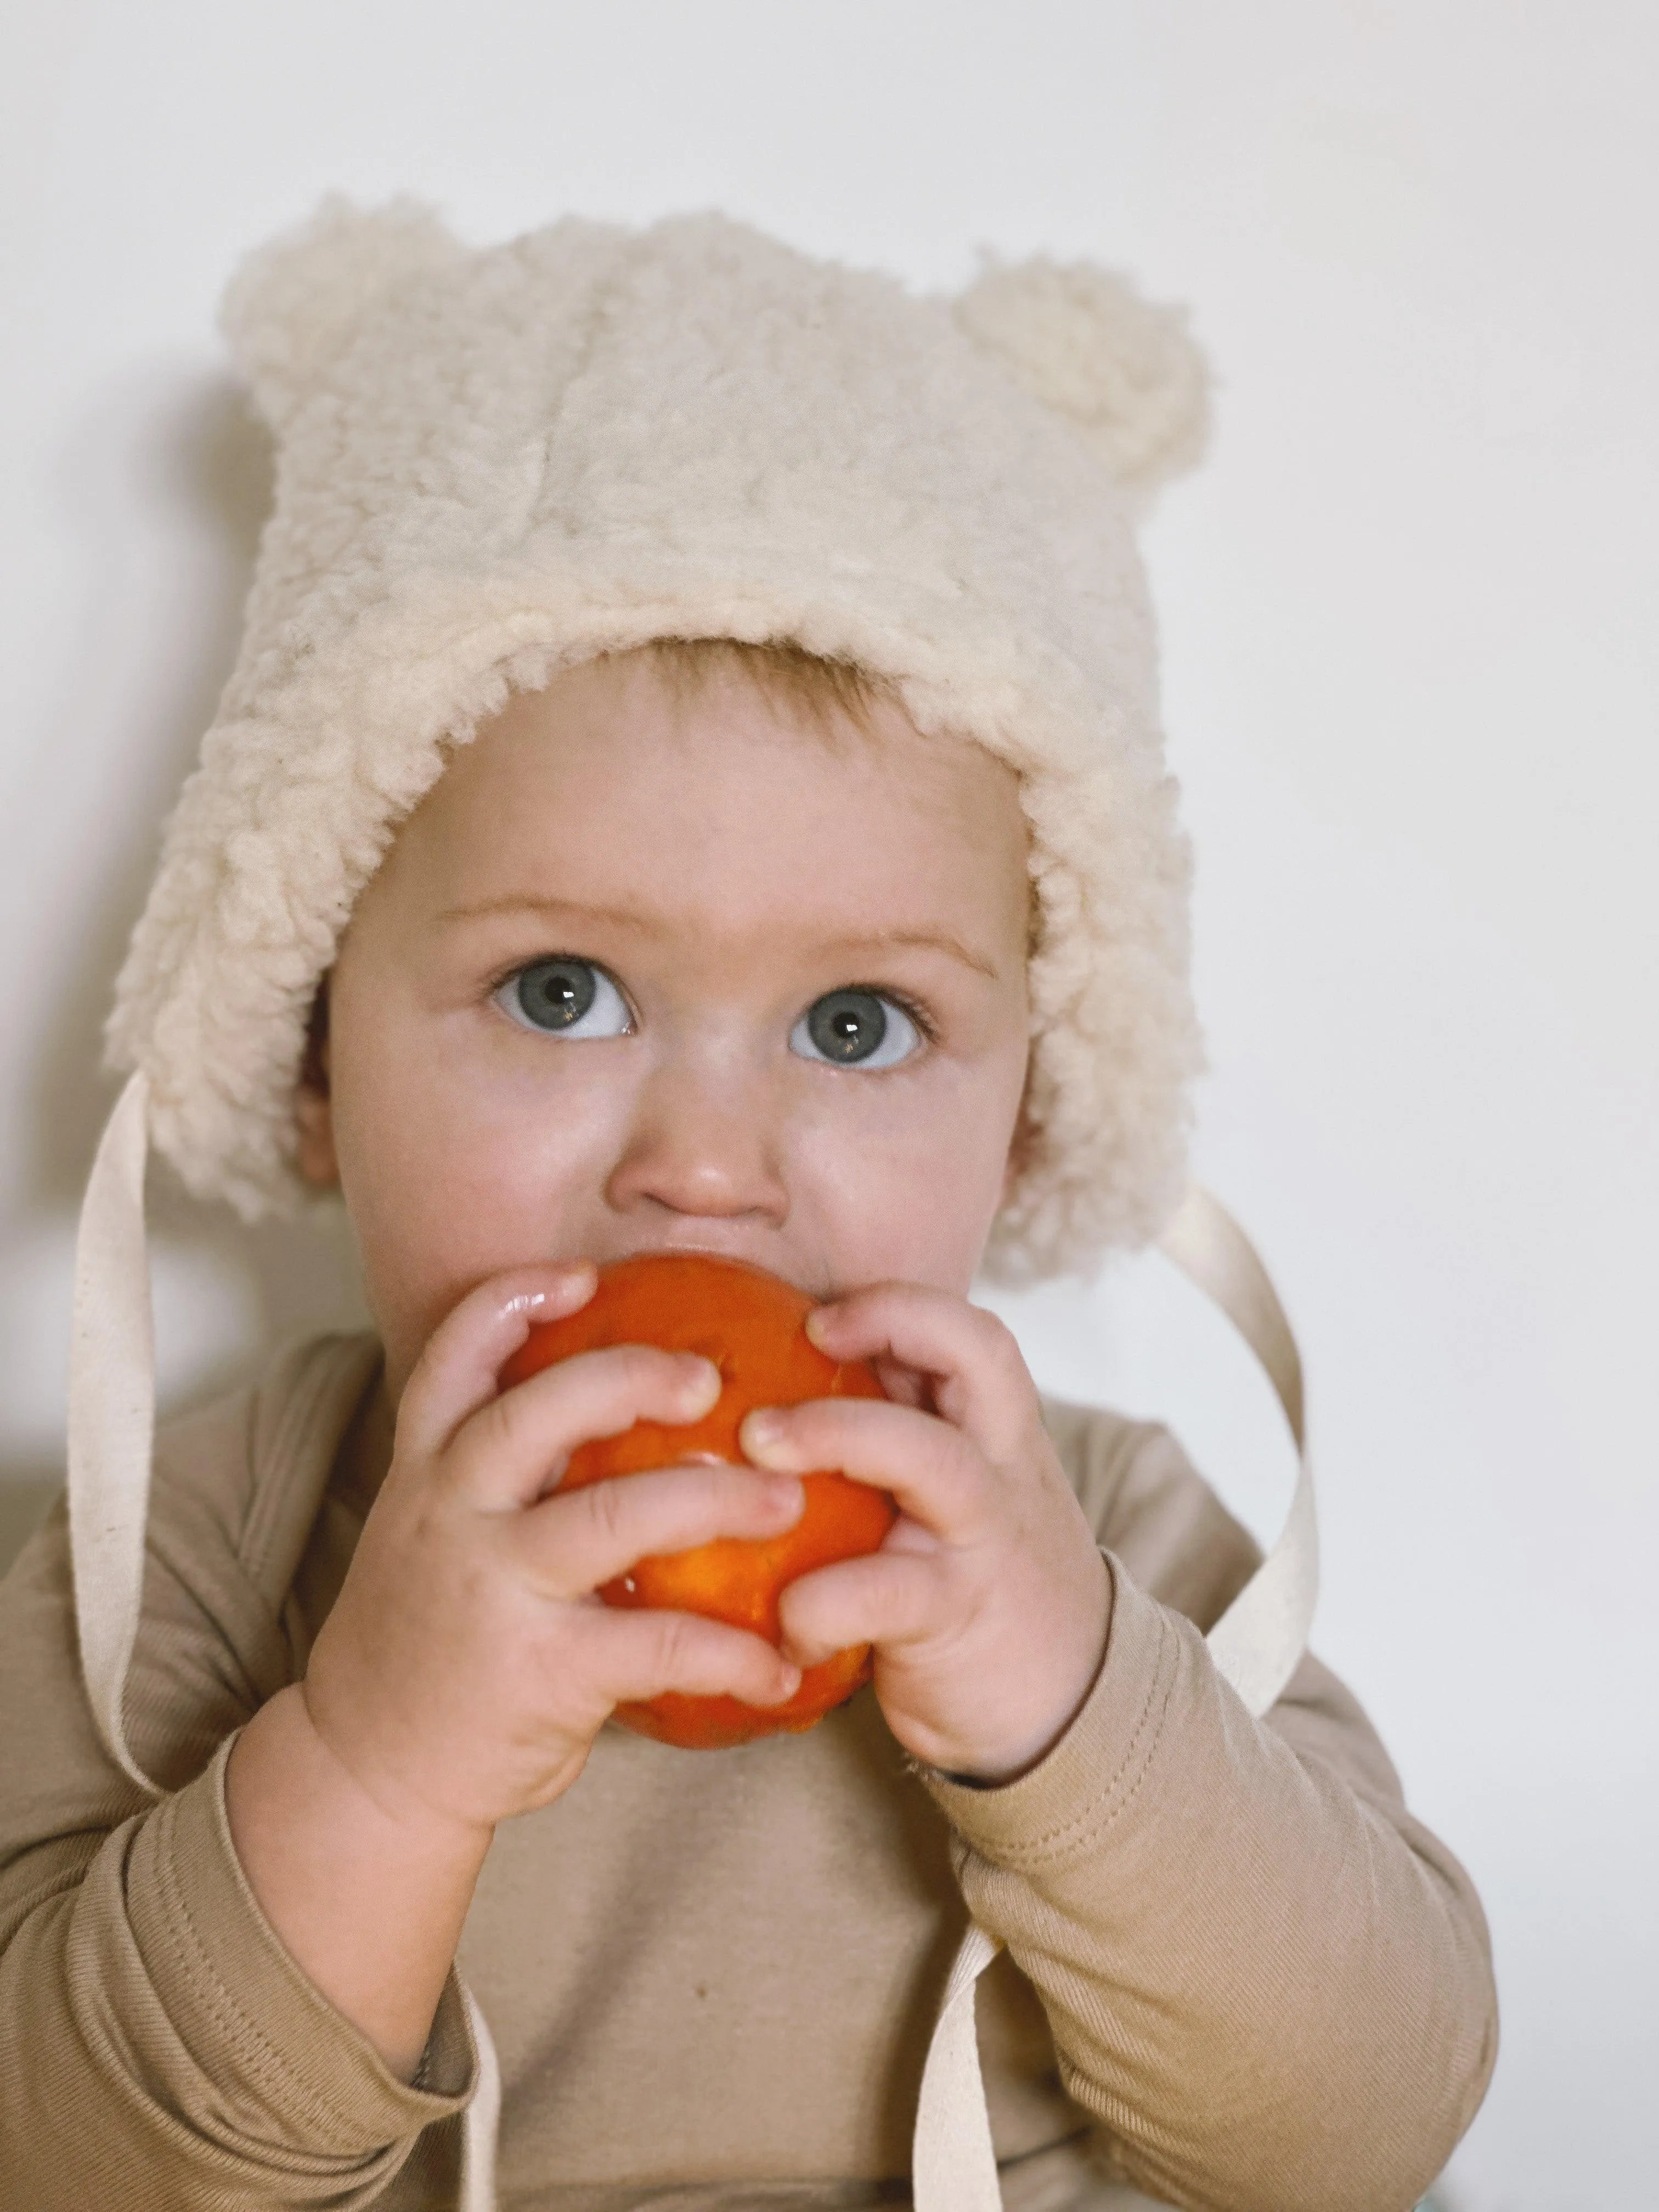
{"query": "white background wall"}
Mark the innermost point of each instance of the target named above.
(1408, 610)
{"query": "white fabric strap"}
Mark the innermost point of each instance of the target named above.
(953, 2161)
(1256, 1645)
(481, 2123)
(112, 1417)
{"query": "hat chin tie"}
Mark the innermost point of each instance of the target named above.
(1255, 1645)
(112, 1417)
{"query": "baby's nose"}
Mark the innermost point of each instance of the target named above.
(702, 1142)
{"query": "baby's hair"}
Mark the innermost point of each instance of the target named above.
(828, 692)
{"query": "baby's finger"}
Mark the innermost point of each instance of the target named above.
(512, 1449)
(981, 1381)
(572, 1541)
(886, 1598)
(939, 1476)
(640, 1655)
(457, 1371)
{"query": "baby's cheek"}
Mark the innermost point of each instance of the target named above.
(915, 1202)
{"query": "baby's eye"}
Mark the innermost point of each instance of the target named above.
(562, 997)
(855, 1029)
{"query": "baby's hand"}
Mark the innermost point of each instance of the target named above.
(468, 1665)
(988, 1603)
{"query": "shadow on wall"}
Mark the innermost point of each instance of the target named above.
(26, 1496)
(190, 454)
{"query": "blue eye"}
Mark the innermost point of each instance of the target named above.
(855, 1029)
(562, 997)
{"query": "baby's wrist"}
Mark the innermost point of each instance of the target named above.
(996, 1768)
(375, 1798)
(1020, 1751)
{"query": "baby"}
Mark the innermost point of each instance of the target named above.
(691, 784)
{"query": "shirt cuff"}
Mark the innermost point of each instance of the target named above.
(254, 2023)
(1062, 1808)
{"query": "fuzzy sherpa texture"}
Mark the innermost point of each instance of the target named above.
(494, 464)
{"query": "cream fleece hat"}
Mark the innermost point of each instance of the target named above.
(492, 464)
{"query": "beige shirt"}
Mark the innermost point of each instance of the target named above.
(1238, 1974)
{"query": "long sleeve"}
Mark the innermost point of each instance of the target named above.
(159, 2050)
(1268, 1982)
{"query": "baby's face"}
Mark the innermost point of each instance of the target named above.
(657, 969)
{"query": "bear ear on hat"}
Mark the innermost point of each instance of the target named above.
(1123, 371)
(291, 308)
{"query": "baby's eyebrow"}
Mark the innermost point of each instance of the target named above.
(930, 940)
(627, 917)
(526, 902)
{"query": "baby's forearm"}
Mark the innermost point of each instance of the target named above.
(163, 2049)
(1270, 1986)
(369, 1899)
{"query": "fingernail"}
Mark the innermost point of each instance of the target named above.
(815, 1323)
(572, 1275)
(784, 1493)
(702, 1381)
(762, 1431)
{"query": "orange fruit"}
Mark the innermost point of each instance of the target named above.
(751, 1325)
